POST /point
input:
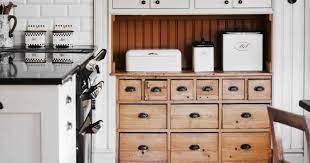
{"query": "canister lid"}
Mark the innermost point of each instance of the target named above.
(203, 43)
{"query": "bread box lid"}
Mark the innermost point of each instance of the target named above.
(154, 53)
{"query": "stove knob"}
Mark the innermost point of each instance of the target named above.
(1, 106)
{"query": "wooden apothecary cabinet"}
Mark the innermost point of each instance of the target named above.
(185, 116)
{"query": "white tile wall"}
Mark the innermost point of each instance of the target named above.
(78, 13)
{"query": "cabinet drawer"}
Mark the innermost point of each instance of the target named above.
(130, 90)
(259, 89)
(201, 4)
(233, 89)
(138, 147)
(156, 90)
(251, 3)
(170, 4)
(182, 89)
(142, 116)
(194, 116)
(194, 147)
(245, 147)
(245, 116)
(127, 4)
(207, 89)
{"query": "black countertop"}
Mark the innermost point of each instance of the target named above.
(21, 73)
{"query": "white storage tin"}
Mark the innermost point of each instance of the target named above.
(35, 36)
(63, 36)
(151, 60)
(242, 51)
(203, 56)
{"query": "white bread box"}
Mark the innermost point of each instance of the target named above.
(242, 51)
(152, 60)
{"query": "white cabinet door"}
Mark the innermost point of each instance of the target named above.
(170, 4)
(129, 4)
(20, 135)
(252, 3)
(201, 4)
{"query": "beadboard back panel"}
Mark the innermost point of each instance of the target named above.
(178, 32)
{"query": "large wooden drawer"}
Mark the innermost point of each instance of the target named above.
(233, 89)
(194, 116)
(194, 147)
(243, 147)
(129, 90)
(156, 90)
(207, 89)
(259, 89)
(182, 90)
(142, 116)
(245, 116)
(138, 147)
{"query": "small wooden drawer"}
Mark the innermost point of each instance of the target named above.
(233, 90)
(136, 147)
(182, 90)
(156, 90)
(194, 116)
(129, 90)
(207, 89)
(244, 147)
(143, 116)
(259, 89)
(245, 116)
(194, 147)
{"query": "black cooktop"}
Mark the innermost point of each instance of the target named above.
(20, 73)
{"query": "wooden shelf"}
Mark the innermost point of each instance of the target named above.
(199, 102)
(193, 74)
(192, 130)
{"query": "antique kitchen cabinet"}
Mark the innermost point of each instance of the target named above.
(185, 116)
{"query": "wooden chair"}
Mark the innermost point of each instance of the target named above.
(290, 119)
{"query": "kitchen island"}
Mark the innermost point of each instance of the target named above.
(38, 109)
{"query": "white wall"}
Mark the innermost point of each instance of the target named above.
(79, 13)
(289, 70)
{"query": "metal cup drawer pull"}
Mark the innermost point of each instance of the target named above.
(156, 90)
(130, 89)
(194, 147)
(194, 115)
(143, 148)
(245, 146)
(259, 88)
(68, 100)
(69, 125)
(182, 89)
(1, 106)
(207, 89)
(233, 89)
(143, 115)
(246, 115)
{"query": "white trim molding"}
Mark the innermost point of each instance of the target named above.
(104, 141)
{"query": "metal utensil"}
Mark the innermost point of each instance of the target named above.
(1, 9)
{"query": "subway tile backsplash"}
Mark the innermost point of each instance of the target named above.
(78, 13)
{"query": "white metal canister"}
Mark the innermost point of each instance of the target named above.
(203, 56)
(242, 51)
